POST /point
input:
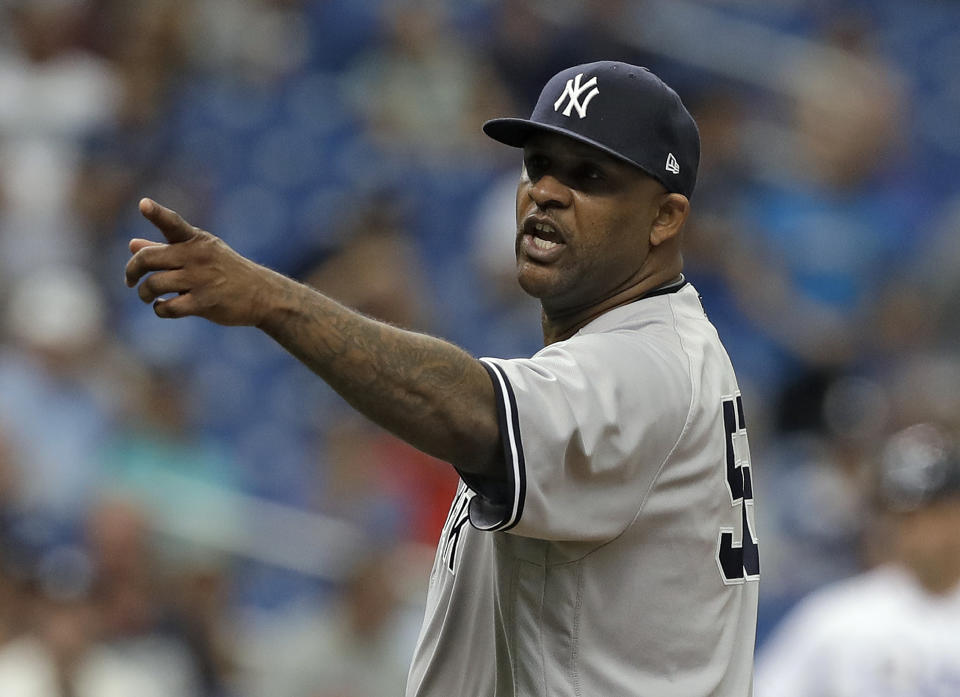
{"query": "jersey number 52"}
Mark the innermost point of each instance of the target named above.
(738, 562)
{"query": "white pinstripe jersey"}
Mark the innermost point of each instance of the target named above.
(621, 558)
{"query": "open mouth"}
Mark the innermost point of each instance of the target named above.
(541, 240)
(545, 237)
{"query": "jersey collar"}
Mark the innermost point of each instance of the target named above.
(666, 288)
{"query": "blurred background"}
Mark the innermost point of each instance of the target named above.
(185, 510)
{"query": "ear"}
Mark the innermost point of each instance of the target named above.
(672, 214)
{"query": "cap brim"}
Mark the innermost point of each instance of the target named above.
(515, 132)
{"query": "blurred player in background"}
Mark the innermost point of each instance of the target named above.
(606, 481)
(892, 631)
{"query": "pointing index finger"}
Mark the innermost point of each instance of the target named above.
(169, 222)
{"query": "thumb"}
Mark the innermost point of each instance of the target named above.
(169, 222)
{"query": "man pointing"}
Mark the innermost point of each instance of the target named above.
(602, 539)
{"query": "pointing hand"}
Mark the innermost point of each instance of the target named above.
(208, 278)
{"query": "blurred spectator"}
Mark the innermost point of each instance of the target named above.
(65, 652)
(276, 39)
(357, 645)
(54, 94)
(530, 42)
(925, 386)
(355, 482)
(201, 604)
(391, 490)
(814, 537)
(136, 151)
(718, 237)
(155, 455)
(55, 658)
(15, 593)
(826, 223)
(131, 598)
(523, 49)
(373, 264)
(425, 91)
(892, 630)
(919, 310)
(60, 381)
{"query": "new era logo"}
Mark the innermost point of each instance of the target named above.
(574, 90)
(672, 164)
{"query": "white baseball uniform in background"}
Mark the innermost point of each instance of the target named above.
(878, 634)
(620, 561)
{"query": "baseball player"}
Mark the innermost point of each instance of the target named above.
(602, 540)
(891, 631)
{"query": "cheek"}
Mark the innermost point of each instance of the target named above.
(620, 236)
(523, 195)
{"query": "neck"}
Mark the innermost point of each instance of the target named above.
(561, 324)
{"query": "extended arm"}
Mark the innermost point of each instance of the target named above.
(425, 390)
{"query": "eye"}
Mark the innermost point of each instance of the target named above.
(592, 172)
(536, 165)
(588, 175)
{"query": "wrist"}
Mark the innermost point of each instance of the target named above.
(278, 302)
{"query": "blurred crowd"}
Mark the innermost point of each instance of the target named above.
(185, 511)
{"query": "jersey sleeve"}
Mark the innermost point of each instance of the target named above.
(586, 425)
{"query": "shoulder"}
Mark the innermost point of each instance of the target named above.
(661, 309)
(639, 349)
(623, 357)
(648, 326)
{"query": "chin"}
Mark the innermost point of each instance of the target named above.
(543, 287)
(534, 284)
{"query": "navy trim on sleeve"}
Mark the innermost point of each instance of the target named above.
(502, 514)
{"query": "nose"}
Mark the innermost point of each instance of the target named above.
(549, 192)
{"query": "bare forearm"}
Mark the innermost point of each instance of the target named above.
(425, 390)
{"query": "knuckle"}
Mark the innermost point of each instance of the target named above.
(197, 235)
(209, 248)
(137, 266)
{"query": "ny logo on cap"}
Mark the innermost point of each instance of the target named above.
(573, 90)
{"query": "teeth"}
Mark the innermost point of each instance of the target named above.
(544, 227)
(543, 244)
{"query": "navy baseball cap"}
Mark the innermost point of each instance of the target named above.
(918, 465)
(624, 110)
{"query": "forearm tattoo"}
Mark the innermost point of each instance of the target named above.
(425, 390)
